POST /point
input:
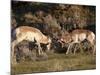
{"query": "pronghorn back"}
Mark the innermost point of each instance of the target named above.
(31, 33)
(82, 34)
(25, 29)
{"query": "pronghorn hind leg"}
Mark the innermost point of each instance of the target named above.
(13, 55)
(13, 44)
(94, 49)
(93, 46)
(81, 49)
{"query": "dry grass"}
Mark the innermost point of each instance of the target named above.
(57, 62)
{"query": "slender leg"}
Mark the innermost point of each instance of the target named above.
(93, 45)
(69, 48)
(94, 49)
(81, 47)
(39, 49)
(13, 56)
(48, 46)
(62, 45)
(75, 50)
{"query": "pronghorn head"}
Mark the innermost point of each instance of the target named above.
(65, 38)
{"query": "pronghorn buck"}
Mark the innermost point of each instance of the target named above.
(77, 36)
(30, 34)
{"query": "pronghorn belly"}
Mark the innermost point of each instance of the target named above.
(75, 38)
(29, 36)
(82, 37)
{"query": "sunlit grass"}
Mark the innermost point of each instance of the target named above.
(57, 62)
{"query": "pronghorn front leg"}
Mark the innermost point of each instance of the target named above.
(13, 44)
(48, 47)
(39, 49)
(75, 50)
(69, 48)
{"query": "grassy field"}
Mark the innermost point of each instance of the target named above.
(57, 62)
